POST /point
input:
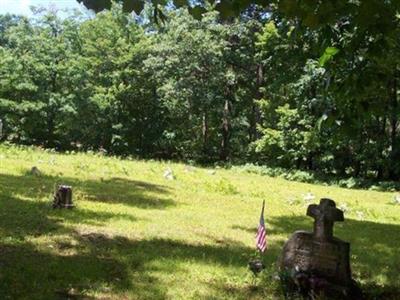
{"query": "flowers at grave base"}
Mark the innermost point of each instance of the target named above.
(298, 282)
(256, 266)
(317, 283)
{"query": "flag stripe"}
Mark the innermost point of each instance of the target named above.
(261, 237)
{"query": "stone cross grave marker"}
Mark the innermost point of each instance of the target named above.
(324, 214)
(318, 254)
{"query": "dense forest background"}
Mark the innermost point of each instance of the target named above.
(258, 88)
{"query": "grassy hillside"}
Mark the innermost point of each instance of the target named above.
(136, 235)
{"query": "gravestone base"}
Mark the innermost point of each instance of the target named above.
(302, 285)
(327, 259)
(317, 265)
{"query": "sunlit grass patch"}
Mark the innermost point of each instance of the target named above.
(136, 235)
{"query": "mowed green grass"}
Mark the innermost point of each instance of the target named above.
(136, 235)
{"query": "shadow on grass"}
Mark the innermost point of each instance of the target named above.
(244, 228)
(116, 190)
(23, 211)
(129, 192)
(21, 218)
(67, 264)
(116, 267)
(27, 273)
(66, 270)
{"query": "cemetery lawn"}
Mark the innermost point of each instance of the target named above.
(136, 235)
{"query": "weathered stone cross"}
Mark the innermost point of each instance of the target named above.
(324, 214)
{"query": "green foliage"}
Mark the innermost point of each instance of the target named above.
(271, 88)
(330, 113)
(328, 54)
(318, 178)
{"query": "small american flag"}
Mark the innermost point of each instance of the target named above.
(261, 238)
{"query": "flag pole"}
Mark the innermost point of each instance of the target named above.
(262, 210)
(257, 265)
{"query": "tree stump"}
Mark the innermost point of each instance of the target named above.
(63, 197)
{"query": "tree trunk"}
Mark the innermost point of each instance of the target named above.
(310, 161)
(381, 168)
(225, 132)
(205, 132)
(357, 168)
(394, 172)
(255, 117)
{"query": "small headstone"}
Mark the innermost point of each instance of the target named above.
(125, 170)
(63, 197)
(309, 197)
(188, 169)
(360, 215)
(52, 161)
(35, 171)
(102, 151)
(343, 207)
(396, 199)
(168, 174)
(318, 262)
